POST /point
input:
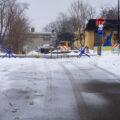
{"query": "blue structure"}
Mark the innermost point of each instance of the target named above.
(9, 52)
(82, 51)
(100, 32)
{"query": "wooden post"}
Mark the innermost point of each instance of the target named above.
(99, 50)
(100, 44)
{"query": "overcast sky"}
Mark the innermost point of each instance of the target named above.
(42, 12)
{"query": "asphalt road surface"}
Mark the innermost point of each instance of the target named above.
(59, 90)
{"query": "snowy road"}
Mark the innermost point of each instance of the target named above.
(64, 89)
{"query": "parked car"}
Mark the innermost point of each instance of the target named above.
(45, 49)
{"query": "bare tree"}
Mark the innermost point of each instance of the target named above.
(3, 21)
(67, 24)
(80, 13)
(62, 26)
(16, 25)
(109, 13)
(51, 26)
(58, 24)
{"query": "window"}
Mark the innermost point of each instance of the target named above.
(47, 37)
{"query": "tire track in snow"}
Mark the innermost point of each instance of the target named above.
(49, 96)
(82, 107)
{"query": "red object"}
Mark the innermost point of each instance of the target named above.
(115, 45)
(100, 21)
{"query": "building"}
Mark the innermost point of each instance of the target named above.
(37, 40)
(109, 37)
(90, 37)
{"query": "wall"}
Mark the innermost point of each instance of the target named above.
(89, 39)
(79, 35)
(107, 40)
(36, 40)
(77, 44)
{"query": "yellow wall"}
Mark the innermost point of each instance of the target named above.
(86, 38)
(89, 39)
(77, 37)
(108, 33)
(77, 44)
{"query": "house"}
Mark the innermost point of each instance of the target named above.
(37, 40)
(109, 37)
(90, 37)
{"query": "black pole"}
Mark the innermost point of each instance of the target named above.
(118, 22)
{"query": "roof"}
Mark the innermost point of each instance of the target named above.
(110, 25)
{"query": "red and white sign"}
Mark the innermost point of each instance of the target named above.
(100, 27)
(100, 22)
(64, 48)
(115, 46)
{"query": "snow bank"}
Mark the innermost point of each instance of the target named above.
(73, 53)
(108, 61)
(33, 53)
(1, 53)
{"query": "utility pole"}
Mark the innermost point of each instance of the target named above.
(118, 26)
(100, 23)
(0, 41)
(99, 44)
(118, 23)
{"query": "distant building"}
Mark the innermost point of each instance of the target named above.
(37, 40)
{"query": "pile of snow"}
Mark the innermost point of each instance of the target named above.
(1, 53)
(91, 52)
(73, 53)
(33, 53)
(108, 61)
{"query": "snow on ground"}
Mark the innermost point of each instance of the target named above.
(108, 60)
(54, 87)
(33, 53)
(73, 53)
(1, 53)
(8, 65)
